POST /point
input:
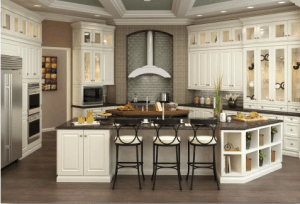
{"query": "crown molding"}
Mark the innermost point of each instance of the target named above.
(175, 6)
(249, 14)
(234, 4)
(75, 7)
(210, 26)
(296, 2)
(149, 14)
(66, 18)
(118, 4)
(183, 21)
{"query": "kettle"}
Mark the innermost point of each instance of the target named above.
(165, 97)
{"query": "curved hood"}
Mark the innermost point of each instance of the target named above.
(149, 68)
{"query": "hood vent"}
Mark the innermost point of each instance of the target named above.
(149, 68)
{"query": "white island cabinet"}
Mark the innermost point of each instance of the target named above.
(83, 156)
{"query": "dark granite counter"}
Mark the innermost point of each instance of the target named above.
(108, 124)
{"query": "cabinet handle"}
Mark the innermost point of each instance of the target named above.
(4, 26)
(27, 73)
(296, 109)
(85, 135)
(285, 35)
(292, 144)
(34, 73)
(291, 130)
(80, 135)
(34, 36)
(21, 31)
(289, 101)
(288, 35)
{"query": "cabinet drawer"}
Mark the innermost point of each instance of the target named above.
(272, 108)
(250, 106)
(294, 109)
(275, 117)
(290, 119)
(291, 144)
(291, 130)
(230, 112)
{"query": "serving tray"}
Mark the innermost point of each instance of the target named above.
(250, 120)
(85, 123)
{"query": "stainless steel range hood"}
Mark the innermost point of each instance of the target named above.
(149, 68)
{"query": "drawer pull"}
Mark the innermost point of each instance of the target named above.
(80, 135)
(291, 129)
(21, 31)
(85, 135)
(4, 26)
(292, 144)
(296, 109)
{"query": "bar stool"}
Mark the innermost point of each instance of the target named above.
(129, 140)
(166, 141)
(202, 141)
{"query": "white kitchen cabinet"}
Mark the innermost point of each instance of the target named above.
(231, 36)
(293, 81)
(83, 153)
(294, 29)
(209, 38)
(108, 39)
(258, 33)
(280, 31)
(291, 144)
(212, 68)
(7, 21)
(231, 67)
(108, 68)
(70, 152)
(201, 71)
(207, 113)
(193, 69)
(193, 39)
(250, 75)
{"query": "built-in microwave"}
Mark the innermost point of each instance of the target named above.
(33, 127)
(34, 92)
(92, 95)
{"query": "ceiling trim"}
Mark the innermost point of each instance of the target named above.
(175, 6)
(234, 4)
(149, 14)
(66, 18)
(74, 7)
(183, 21)
(296, 2)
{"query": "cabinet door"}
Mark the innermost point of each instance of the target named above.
(225, 35)
(213, 59)
(293, 75)
(264, 74)
(280, 30)
(207, 113)
(37, 32)
(213, 37)
(87, 36)
(31, 61)
(70, 152)
(6, 21)
(96, 152)
(31, 30)
(198, 113)
(24, 55)
(193, 39)
(108, 39)
(202, 71)
(237, 35)
(192, 66)
(98, 66)
(249, 33)
(87, 66)
(237, 69)
(23, 27)
(225, 69)
(264, 32)
(279, 75)
(97, 38)
(203, 42)
(38, 63)
(16, 25)
(294, 29)
(108, 68)
(250, 89)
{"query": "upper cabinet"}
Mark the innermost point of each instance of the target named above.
(257, 33)
(92, 35)
(230, 36)
(208, 38)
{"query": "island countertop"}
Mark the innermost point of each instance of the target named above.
(108, 124)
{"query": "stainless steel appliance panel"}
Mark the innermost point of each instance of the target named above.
(92, 95)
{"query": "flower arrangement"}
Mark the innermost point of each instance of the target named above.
(230, 97)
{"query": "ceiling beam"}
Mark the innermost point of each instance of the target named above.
(115, 7)
(296, 2)
(181, 7)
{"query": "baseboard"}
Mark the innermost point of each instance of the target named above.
(48, 129)
(100, 179)
(291, 154)
(25, 154)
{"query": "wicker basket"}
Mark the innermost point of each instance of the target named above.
(261, 140)
(248, 164)
(272, 156)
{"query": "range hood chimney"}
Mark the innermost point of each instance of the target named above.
(149, 68)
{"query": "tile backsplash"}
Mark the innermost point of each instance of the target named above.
(211, 94)
(150, 85)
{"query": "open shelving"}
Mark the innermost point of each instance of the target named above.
(267, 136)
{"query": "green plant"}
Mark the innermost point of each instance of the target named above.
(249, 136)
(218, 83)
(176, 101)
(274, 130)
(262, 156)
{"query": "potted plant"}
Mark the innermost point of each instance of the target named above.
(273, 132)
(232, 99)
(262, 156)
(248, 139)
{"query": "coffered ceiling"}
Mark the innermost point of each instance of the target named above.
(146, 12)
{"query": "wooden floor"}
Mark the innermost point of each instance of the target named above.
(32, 180)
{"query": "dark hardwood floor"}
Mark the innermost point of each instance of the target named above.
(32, 180)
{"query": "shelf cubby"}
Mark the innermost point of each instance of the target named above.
(233, 138)
(267, 160)
(277, 148)
(254, 161)
(236, 165)
(267, 136)
(278, 136)
(254, 142)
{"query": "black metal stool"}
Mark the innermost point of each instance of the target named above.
(166, 141)
(202, 141)
(129, 140)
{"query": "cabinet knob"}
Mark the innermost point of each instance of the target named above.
(289, 101)
(296, 109)
(285, 35)
(27, 73)
(85, 135)
(4, 26)
(80, 135)
(195, 84)
(21, 31)
(34, 36)
(288, 35)
(292, 144)
(292, 130)
(34, 73)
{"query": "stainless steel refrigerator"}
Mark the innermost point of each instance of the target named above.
(11, 109)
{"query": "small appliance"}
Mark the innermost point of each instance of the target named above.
(92, 95)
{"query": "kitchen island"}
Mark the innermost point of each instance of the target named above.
(87, 153)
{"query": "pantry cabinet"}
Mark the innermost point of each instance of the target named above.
(32, 61)
(82, 152)
(293, 82)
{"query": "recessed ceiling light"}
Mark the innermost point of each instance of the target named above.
(37, 5)
(97, 15)
(147, 0)
(223, 11)
(250, 7)
(199, 15)
(281, 2)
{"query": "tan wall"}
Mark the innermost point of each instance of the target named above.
(54, 103)
(118, 93)
(57, 34)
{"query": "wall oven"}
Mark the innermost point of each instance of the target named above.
(92, 95)
(33, 127)
(33, 98)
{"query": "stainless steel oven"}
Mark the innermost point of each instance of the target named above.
(92, 95)
(34, 92)
(33, 127)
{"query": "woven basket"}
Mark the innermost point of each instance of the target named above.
(261, 140)
(248, 164)
(272, 156)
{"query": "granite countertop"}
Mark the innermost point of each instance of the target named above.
(108, 125)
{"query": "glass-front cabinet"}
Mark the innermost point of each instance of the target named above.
(264, 32)
(279, 75)
(249, 34)
(280, 31)
(209, 38)
(230, 36)
(92, 63)
(97, 37)
(87, 37)
(97, 66)
(193, 39)
(250, 89)
(6, 21)
(264, 72)
(87, 66)
(108, 39)
(294, 29)
(294, 75)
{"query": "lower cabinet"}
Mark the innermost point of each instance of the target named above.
(82, 152)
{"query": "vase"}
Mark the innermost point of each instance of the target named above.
(218, 103)
(272, 137)
(232, 104)
(261, 162)
(248, 143)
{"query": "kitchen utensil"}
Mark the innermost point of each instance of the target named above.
(223, 117)
(165, 97)
(202, 100)
(172, 106)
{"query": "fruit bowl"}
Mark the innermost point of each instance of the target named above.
(172, 106)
